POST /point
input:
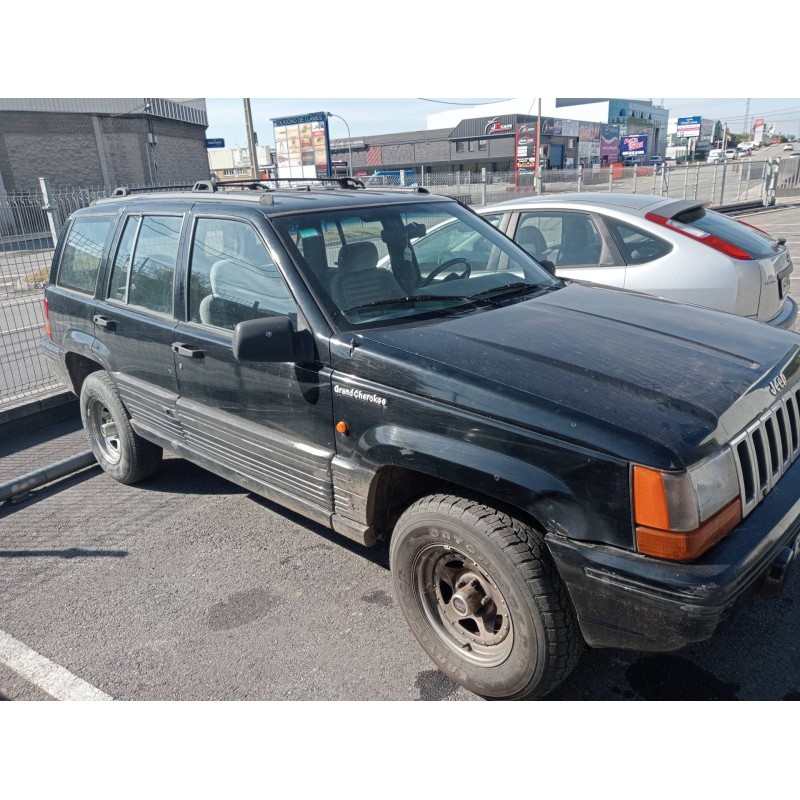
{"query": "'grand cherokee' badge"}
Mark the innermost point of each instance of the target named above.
(357, 394)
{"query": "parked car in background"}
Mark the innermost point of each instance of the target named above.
(716, 157)
(731, 154)
(788, 147)
(672, 248)
(383, 178)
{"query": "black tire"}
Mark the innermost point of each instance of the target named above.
(121, 452)
(524, 639)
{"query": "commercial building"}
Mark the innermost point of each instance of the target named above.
(105, 142)
(501, 137)
(234, 162)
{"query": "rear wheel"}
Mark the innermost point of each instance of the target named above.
(482, 597)
(120, 451)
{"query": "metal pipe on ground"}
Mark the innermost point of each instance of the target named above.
(32, 480)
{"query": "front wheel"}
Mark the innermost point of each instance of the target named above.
(483, 599)
(119, 450)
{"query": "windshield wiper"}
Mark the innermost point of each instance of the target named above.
(510, 289)
(420, 298)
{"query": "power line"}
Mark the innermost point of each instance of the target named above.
(453, 103)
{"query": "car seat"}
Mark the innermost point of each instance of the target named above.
(531, 240)
(359, 281)
(580, 244)
(238, 292)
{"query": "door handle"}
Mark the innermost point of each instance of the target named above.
(187, 350)
(104, 322)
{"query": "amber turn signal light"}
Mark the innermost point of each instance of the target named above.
(343, 427)
(691, 544)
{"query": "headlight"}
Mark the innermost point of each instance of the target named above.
(679, 515)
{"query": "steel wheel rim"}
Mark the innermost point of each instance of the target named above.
(103, 430)
(463, 605)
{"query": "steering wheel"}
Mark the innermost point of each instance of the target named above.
(442, 267)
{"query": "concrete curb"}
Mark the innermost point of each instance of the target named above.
(35, 414)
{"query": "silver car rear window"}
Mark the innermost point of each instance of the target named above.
(755, 244)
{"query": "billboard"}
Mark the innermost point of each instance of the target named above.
(689, 126)
(525, 160)
(758, 131)
(609, 142)
(560, 127)
(302, 146)
(633, 145)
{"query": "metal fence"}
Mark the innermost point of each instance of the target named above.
(29, 223)
(720, 185)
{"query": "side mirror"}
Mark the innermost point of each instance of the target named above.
(266, 339)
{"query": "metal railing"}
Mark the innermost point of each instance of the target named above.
(29, 225)
(731, 183)
(30, 222)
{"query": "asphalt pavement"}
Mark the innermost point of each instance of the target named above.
(187, 587)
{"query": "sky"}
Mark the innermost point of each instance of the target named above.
(371, 116)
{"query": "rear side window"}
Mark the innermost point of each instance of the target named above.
(144, 265)
(83, 252)
(754, 243)
(636, 246)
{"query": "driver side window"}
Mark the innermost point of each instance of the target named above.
(455, 240)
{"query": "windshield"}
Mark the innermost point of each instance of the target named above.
(379, 264)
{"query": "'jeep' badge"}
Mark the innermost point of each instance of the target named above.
(776, 385)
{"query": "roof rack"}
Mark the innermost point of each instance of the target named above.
(263, 183)
(124, 191)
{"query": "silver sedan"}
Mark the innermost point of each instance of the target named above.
(671, 248)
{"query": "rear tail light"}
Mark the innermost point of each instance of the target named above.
(47, 328)
(700, 236)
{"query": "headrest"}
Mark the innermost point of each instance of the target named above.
(358, 256)
(531, 235)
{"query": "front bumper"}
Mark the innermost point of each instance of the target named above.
(632, 601)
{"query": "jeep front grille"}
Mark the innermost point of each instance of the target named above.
(767, 448)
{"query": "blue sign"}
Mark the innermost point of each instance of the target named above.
(689, 121)
(633, 145)
(214, 143)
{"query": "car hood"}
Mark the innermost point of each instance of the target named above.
(639, 377)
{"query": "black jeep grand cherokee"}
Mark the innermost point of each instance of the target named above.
(553, 463)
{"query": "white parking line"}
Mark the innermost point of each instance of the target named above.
(52, 679)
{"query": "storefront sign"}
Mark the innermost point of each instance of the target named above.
(633, 145)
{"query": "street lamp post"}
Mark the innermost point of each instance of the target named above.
(349, 144)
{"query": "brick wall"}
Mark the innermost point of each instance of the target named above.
(67, 149)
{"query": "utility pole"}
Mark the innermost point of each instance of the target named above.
(539, 146)
(251, 139)
(747, 121)
(725, 138)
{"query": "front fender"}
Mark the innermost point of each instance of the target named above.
(551, 485)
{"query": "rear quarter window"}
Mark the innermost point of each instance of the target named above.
(83, 253)
(636, 245)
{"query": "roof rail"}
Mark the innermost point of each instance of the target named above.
(263, 183)
(124, 191)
